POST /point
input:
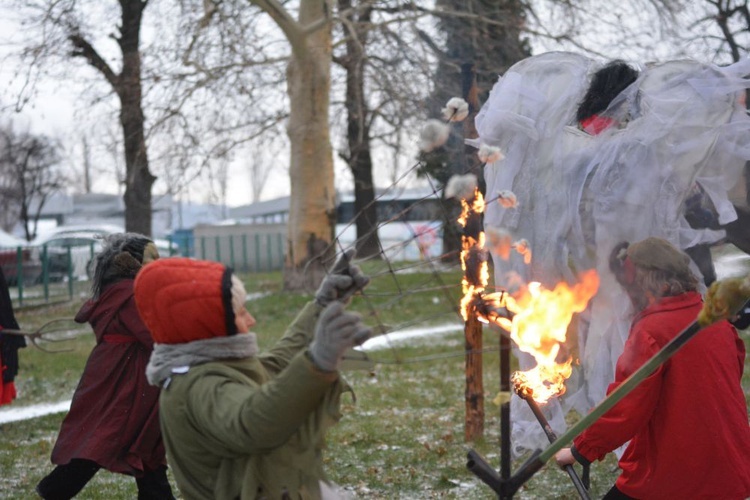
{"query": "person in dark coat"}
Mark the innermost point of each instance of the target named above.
(113, 422)
(9, 345)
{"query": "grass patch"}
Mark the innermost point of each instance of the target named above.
(402, 438)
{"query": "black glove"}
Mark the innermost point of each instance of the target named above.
(336, 332)
(742, 320)
(344, 281)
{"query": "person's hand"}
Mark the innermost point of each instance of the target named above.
(344, 281)
(564, 457)
(337, 330)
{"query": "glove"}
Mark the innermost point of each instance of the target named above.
(344, 281)
(336, 331)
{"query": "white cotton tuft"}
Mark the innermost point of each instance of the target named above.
(489, 154)
(461, 186)
(500, 241)
(507, 198)
(522, 247)
(456, 109)
(433, 135)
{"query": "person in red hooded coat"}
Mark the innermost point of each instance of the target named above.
(687, 422)
(113, 422)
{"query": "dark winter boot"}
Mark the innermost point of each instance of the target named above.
(154, 485)
(66, 481)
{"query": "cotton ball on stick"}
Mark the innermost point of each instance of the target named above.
(507, 198)
(522, 247)
(461, 186)
(456, 109)
(489, 154)
(500, 241)
(433, 135)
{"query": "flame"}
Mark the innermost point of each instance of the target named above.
(539, 328)
(473, 254)
(537, 318)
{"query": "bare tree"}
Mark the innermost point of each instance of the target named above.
(307, 30)
(29, 175)
(66, 29)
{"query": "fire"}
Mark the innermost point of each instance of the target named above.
(473, 253)
(537, 319)
(539, 328)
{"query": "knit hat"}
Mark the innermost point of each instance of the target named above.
(182, 300)
(651, 253)
(121, 257)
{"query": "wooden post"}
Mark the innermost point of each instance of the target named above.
(474, 258)
(474, 392)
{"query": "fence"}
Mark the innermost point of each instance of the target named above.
(249, 248)
(43, 275)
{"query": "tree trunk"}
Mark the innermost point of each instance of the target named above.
(312, 200)
(138, 178)
(358, 132)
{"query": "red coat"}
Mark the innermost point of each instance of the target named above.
(687, 422)
(114, 416)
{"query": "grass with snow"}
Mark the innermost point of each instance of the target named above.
(402, 438)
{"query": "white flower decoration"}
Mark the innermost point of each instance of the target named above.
(461, 186)
(456, 109)
(490, 154)
(522, 247)
(500, 241)
(433, 135)
(507, 198)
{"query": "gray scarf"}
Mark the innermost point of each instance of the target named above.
(178, 358)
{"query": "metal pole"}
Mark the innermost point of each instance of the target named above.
(582, 490)
(505, 348)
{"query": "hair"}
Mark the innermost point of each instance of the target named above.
(606, 84)
(120, 258)
(657, 284)
(239, 295)
(645, 283)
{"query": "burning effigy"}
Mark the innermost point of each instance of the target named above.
(671, 137)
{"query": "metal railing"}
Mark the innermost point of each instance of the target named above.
(44, 274)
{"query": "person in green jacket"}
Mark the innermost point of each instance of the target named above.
(238, 423)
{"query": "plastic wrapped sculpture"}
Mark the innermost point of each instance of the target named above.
(632, 169)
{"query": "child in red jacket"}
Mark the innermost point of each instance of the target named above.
(687, 423)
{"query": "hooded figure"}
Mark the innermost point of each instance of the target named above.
(686, 423)
(113, 422)
(9, 345)
(238, 423)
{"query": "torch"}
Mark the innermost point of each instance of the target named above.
(526, 393)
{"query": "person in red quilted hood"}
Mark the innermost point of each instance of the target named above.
(239, 423)
(113, 422)
(687, 422)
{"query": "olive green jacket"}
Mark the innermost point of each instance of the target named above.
(252, 428)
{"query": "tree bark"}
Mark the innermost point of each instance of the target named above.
(358, 132)
(138, 178)
(312, 200)
(128, 87)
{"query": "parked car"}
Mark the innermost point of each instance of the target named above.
(78, 245)
(69, 254)
(31, 265)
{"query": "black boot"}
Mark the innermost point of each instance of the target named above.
(66, 481)
(154, 485)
